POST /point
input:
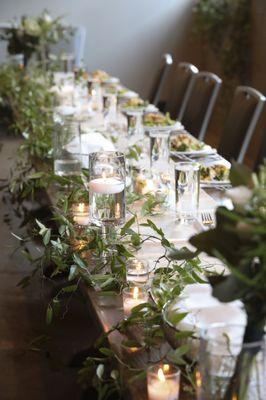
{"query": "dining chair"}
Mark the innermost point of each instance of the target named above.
(185, 78)
(160, 79)
(200, 103)
(241, 122)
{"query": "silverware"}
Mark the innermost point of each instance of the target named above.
(207, 218)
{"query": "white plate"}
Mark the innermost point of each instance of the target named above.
(176, 127)
(206, 150)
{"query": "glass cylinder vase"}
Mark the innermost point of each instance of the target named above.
(107, 182)
(228, 368)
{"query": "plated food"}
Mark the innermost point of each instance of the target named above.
(134, 103)
(155, 119)
(215, 172)
(100, 75)
(185, 142)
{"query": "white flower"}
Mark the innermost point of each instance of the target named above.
(47, 18)
(239, 195)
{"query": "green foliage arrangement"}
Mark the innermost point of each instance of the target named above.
(239, 240)
(225, 26)
(34, 35)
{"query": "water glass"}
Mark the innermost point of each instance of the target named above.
(134, 126)
(95, 94)
(66, 148)
(137, 271)
(187, 180)
(107, 182)
(159, 151)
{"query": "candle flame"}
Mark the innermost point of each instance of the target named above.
(135, 293)
(166, 368)
(161, 376)
(138, 266)
(81, 207)
(198, 379)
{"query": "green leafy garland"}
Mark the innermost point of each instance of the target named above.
(76, 253)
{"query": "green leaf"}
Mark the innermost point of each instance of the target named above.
(106, 351)
(114, 374)
(100, 371)
(128, 224)
(72, 272)
(49, 315)
(182, 254)
(241, 175)
(47, 237)
(69, 289)
(176, 318)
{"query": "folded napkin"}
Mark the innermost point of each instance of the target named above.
(93, 141)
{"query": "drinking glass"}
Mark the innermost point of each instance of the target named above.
(66, 148)
(219, 361)
(107, 182)
(134, 126)
(187, 190)
(159, 150)
(95, 94)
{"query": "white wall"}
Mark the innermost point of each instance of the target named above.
(124, 37)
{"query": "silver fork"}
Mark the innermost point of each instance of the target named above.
(207, 218)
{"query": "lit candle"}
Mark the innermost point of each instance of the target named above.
(81, 214)
(163, 382)
(106, 185)
(137, 271)
(132, 297)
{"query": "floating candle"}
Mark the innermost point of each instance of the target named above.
(163, 385)
(132, 298)
(106, 185)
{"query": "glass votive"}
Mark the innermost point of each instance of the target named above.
(163, 382)
(137, 271)
(187, 190)
(132, 297)
(80, 212)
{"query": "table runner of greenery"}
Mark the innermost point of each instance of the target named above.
(26, 101)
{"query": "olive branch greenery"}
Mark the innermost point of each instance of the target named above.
(75, 252)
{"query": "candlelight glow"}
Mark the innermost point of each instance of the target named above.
(138, 266)
(81, 207)
(198, 379)
(161, 375)
(135, 293)
(166, 368)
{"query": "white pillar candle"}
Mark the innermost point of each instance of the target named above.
(132, 297)
(163, 385)
(106, 185)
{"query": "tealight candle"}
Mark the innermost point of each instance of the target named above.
(81, 214)
(163, 382)
(137, 271)
(106, 185)
(132, 297)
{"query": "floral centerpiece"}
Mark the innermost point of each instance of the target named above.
(34, 35)
(239, 240)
